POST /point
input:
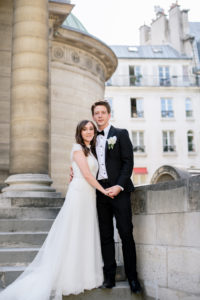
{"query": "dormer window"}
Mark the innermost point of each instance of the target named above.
(157, 50)
(133, 49)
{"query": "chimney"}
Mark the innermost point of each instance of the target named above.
(145, 34)
(175, 28)
(159, 28)
(185, 23)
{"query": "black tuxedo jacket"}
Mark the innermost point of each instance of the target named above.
(119, 160)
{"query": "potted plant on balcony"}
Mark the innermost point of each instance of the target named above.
(134, 79)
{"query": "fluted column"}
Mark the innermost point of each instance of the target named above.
(29, 140)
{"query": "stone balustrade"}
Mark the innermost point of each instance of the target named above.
(166, 219)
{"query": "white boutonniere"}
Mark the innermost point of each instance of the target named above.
(111, 142)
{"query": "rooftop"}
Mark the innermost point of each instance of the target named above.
(73, 22)
(195, 29)
(148, 51)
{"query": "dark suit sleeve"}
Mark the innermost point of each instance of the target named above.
(126, 151)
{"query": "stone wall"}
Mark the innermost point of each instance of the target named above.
(6, 11)
(76, 82)
(166, 219)
(80, 65)
(36, 134)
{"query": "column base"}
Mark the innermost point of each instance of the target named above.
(29, 185)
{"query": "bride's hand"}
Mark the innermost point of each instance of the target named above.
(106, 192)
(71, 175)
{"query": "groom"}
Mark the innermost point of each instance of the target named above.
(115, 157)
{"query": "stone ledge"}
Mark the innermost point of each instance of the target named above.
(167, 197)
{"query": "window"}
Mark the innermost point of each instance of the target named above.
(138, 141)
(185, 73)
(110, 101)
(140, 175)
(166, 108)
(188, 108)
(190, 141)
(168, 141)
(164, 76)
(137, 108)
(157, 50)
(133, 49)
(134, 75)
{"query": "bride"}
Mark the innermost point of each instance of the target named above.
(69, 261)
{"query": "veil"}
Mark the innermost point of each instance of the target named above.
(40, 279)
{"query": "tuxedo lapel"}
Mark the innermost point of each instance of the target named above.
(110, 133)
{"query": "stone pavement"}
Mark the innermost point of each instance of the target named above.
(120, 292)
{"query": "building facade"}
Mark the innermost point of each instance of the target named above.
(51, 71)
(155, 94)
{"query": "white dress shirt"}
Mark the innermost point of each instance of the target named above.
(100, 149)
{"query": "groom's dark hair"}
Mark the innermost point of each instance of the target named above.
(101, 102)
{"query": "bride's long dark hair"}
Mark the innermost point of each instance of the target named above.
(80, 140)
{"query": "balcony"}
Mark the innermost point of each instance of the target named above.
(134, 80)
(167, 113)
(139, 149)
(153, 81)
(137, 114)
(191, 147)
(169, 148)
(165, 82)
(189, 113)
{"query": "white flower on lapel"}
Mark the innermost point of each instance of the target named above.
(111, 142)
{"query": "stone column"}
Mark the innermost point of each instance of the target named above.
(29, 141)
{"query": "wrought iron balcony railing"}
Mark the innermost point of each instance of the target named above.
(165, 81)
(151, 80)
(138, 114)
(167, 113)
(191, 147)
(139, 148)
(189, 113)
(134, 80)
(169, 148)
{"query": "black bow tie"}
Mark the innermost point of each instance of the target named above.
(100, 132)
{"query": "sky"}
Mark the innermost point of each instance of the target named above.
(117, 22)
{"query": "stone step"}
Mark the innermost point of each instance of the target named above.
(29, 213)
(119, 292)
(120, 273)
(9, 272)
(15, 256)
(14, 225)
(22, 239)
(31, 202)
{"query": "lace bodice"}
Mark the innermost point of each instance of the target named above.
(92, 162)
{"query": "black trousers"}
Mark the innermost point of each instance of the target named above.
(120, 207)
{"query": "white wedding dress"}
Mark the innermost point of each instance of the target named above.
(70, 260)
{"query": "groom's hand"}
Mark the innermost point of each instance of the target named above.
(107, 193)
(114, 190)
